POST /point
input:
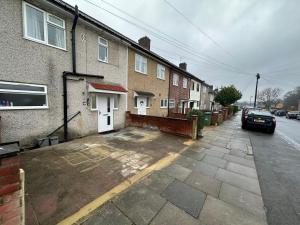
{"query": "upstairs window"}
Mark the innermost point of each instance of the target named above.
(198, 87)
(161, 70)
(193, 85)
(22, 96)
(175, 79)
(103, 49)
(184, 83)
(43, 27)
(140, 64)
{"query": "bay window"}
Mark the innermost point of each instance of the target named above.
(22, 96)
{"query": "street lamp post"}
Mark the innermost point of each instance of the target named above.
(257, 78)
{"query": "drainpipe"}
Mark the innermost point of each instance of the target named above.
(65, 89)
(76, 15)
(169, 92)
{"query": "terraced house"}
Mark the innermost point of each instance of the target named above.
(148, 81)
(46, 79)
(63, 73)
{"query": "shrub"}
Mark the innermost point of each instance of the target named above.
(235, 109)
(200, 114)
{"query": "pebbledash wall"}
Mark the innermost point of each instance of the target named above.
(26, 61)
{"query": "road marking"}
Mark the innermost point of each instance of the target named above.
(289, 140)
(87, 209)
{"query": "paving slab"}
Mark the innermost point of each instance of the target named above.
(240, 160)
(177, 171)
(215, 161)
(243, 170)
(185, 197)
(220, 149)
(217, 212)
(197, 155)
(186, 162)
(171, 215)
(214, 153)
(158, 182)
(204, 183)
(140, 204)
(251, 202)
(205, 169)
(238, 180)
(107, 215)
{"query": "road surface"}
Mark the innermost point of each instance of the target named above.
(277, 159)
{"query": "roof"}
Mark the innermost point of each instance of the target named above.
(109, 30)
(108, 87)
(144, 93)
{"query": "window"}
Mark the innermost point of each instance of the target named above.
(198, 87)
(140, 64)
(43, 27)
(172, 103)
(163, 103)
(193, 85)
(93, 102)
(103, 49)
(175, 79)
(22, 96)
(161, 70)
(197, 104)
(147, 102)
(184, 84)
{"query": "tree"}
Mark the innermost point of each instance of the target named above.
(269, 97)
(228, 95)
(291, 98)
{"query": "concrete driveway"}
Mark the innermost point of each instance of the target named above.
(63, 178)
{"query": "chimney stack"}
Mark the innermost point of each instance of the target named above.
(183, 66)
(145, 42)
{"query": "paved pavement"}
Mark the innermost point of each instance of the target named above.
(277, 160)
(214, 182)
(61, 179)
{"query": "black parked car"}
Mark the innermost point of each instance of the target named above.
(259, 120)
(280, 113)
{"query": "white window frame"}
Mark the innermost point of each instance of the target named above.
(177, 79)
(171, 101)
(103, 45)
(25, 92)
(46, 21)
(142, 60)
(91, 102)
(161, 69)
(165, 103)
(184, 82)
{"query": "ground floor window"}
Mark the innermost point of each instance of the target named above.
(172, 103)
(163, 103)
(147, 101)
(22, 96)
(94, 105)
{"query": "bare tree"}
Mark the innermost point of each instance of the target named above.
(269, 96)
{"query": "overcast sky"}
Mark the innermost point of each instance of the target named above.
(222, 41)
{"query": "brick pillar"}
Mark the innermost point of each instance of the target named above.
(195, 127)
(10, 194)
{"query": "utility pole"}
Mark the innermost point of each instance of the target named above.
(257, 78)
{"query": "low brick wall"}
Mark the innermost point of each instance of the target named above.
(177, 126)
(177, 115)
(11, 200)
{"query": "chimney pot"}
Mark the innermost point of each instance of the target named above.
(183, 65)
(145, 42)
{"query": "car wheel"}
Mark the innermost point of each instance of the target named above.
(271, 130)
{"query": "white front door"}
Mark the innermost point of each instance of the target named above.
(141, 105)
(105, 105)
